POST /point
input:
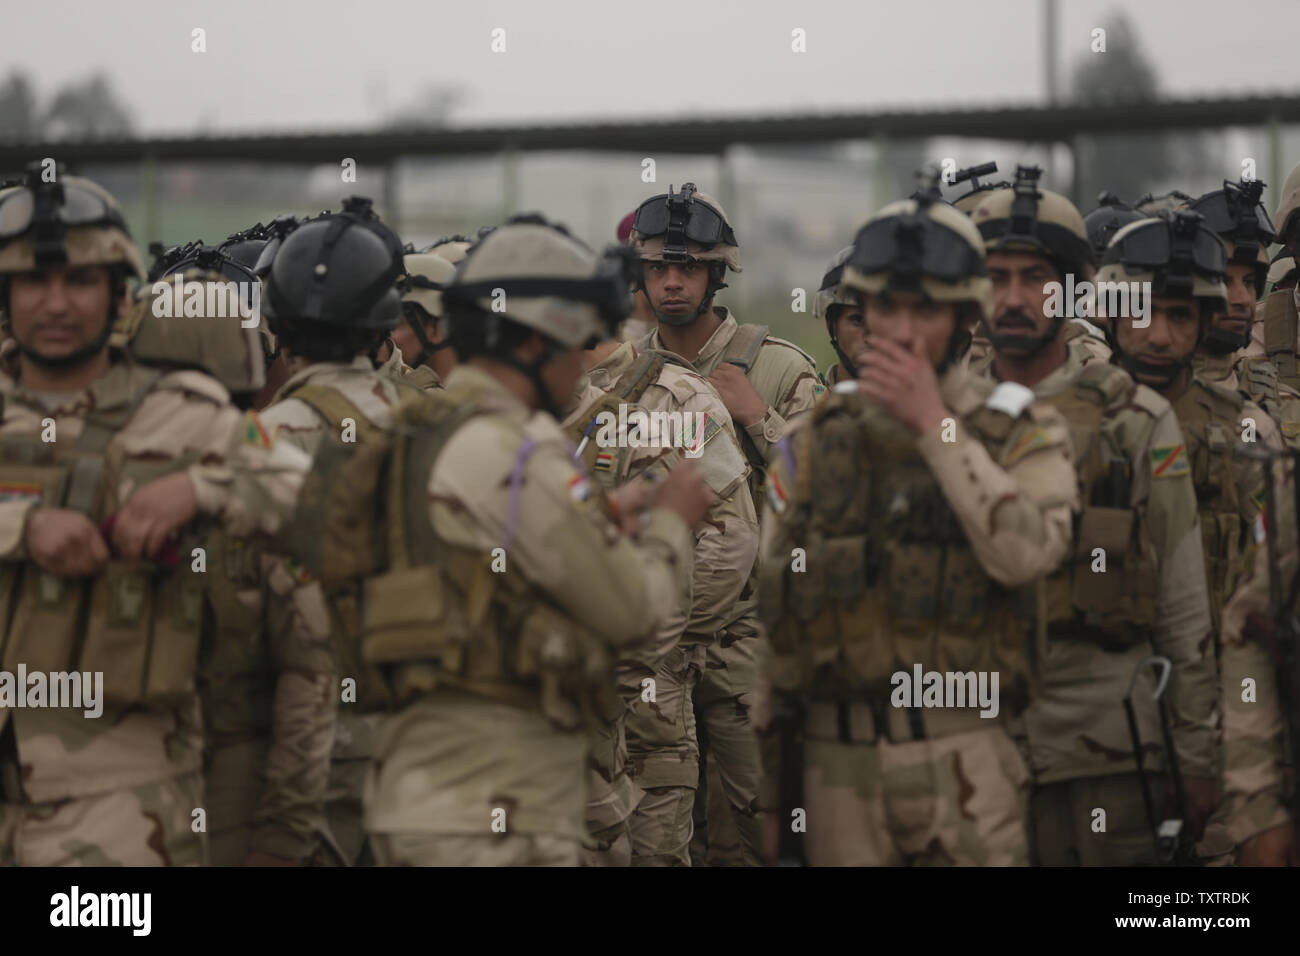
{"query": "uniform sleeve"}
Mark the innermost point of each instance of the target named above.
(556, 536)
(290, 814)
(1018, 517)
(13, 529)
(245, 478)
(797, 392)
(1183, 630)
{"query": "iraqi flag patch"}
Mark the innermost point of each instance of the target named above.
(776, 493)
(1169, 461)
(604, 461)
(19, 491)
(579, 488)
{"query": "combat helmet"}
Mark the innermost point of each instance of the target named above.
(1110, 216)
(531, 274)
(1288, 205)
(331, 283)
(421, 283)
(56, 220)
(1241, 221)
(831, 293)
(1025, 218)
(685, 226)
(1181, 257)
(923, 247)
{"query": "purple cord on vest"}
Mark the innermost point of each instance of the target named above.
(516, 481)
(784, 445)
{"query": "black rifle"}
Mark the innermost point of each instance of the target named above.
(1173, 839)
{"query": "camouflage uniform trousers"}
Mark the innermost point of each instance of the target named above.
(446, 849)
(234, 777)
(954, 800)
(1062, 816)
(728, 826)
(353, 746)
(664, 761)
(150, 824)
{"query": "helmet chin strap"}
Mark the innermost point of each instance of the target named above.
(533, 372)
(1163, 374)
(845, 361)
(715, 285)
(76, 357)
(1223, 342)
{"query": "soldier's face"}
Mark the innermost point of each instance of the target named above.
(905, 318)
(561, 374)
(1020, 295)
(1241, 299)
(676, 288)
(54, 312)
(1168, 341)
(851, 330)
(408, 344)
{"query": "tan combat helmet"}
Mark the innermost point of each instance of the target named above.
(687, 226)
(1282, 273)
(421, 287)
(451, 248)
(1172, 201)
(1181, 258)
(978, 190)
(833, 292)
(927, 247)
(1040, 222)
(1288, 205)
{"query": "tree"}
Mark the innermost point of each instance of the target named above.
(87, 109)
(18, 118)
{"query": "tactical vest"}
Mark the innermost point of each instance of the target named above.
(137, 622)
(1280, 329)
(1258, 382)
(888, 578)
(419, 613)
(627, 390)
(1114, 607)
(1210, 419)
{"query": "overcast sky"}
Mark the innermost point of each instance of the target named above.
(281, 64)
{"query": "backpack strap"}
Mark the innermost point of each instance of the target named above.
(333, 406)
(743, 348)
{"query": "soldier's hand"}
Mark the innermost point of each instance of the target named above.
(153, 514)
(745, 405)
(1202, 798)
(904, 383)
(262, 858)
(1274, 847)
(685, 492)
(65, 543)
(630, 503)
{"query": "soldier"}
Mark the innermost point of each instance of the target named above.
(1184, 263)
(331, 301)
(907, 522)
(725, 549)
(1151, 597)
(106, 463)
(1240, 220)
(1282, 273)
(1277, 330)
(485, 760)
(419, 348)
(686, 245)
(839, 308)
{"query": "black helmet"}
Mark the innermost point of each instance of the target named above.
(337, 270)
(245, 246)
(1110, 216)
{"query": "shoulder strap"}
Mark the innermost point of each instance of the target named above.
(102, 424)
(643, 372)
(743, 348)
(333, 406)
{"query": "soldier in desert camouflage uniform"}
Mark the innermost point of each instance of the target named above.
(686, 245)
(485, 760)
(419, 348)
(907, 523)
(1151, 597)
(106, 463)
(331, 301)
(725, 548)
(1184, 263)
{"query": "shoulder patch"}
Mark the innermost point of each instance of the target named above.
(255, 432)
(1032, 440)
(1169, 461)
